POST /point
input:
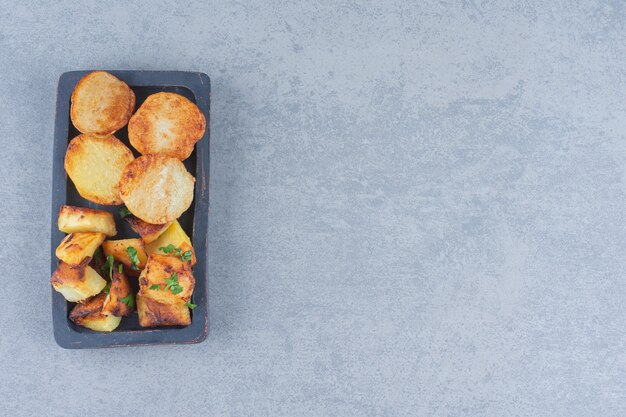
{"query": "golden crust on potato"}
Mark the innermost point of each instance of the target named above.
(148, 232)
(160, 269)
(167, 124)
(101, 103)
(89, 314)
(120, 289)
(76, 282)
(80, 219)
(175, 236)
(75, 247)
(118, 248)
(95, 165)
(153, 313)
(156, 188)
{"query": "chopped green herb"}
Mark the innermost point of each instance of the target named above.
(190, 305)
(124, 212)
(167, 249)
(155, 286)
(186, 256)
(107, 288)
(108, 266)
(129, 300)
(134, 259)
(120, 268)
(172, 284)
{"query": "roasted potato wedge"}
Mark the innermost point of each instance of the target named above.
(148, 232)
(120, 252)
(101, 103)
(89, 314)
(79, 219)
(95, 165)
(153, 313)
(76, 282)
(156, 188)
(75, 247)
(166, 279)
(166, 124)
(176, 236)
(120, 300)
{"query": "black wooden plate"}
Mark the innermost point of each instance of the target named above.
(196, 87)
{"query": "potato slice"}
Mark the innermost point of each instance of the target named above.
(176, 236)
(148, 232)
(119, 250)
(101, 103)
(76, 282)
(166, 124)
(156, 188)
(89, 314)
(153, 313)
(156, 280)
(95, 165)
(75, 247)
(120, 300)
(79, 219)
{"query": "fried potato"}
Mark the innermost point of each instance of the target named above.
(89, 314)
(120, 300)
(161, 271)
(76, 282)
(175, 236)
(75, 247)
(101, 103)
(166, 124)
(119, 250)
(148, 232)
(156, 188)
(79, 219)
(95, 165)
(153, 313)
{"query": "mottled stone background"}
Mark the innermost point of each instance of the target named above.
(417, 208)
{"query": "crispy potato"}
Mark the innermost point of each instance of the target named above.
(166, 124)
(76, 282)
(75, 247)
(120, 289)
(176, 236)
(153, 313)
(148, 232)
(89, 314)
(161, 268)
(79, 219)
(101, 103)
(118, 248)
(95, 165)
(156, 188)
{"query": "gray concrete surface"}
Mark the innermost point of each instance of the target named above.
(418, 209)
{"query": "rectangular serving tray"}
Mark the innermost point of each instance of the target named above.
(195, 86)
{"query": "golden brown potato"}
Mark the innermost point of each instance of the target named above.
(175, 236)
(79, 219)
(166, 124)
(156, 188)
(120, 300)
(101, 103)
(89, 314)
(76, 282)
(75, 247)
(121, 253)
(166, 279)
(153, 313)
(95, 165)
(148, 232)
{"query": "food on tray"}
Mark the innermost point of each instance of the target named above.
(130, 252)
(148, 232)
(78, 219)
(173, 241)
(156, 188)
(89, 314)
(153, 313)
(77, 282)
(95, 164)
(167, 124)
(120, 300)
(75, 247)
(101, 103)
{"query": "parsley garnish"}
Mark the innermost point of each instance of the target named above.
(124, 212)
(107, 288)
(172, 284)
(171, 249)
(190, 305)
(108, 265)
(155, 286)
(134, 259)
(129, 300)
(120, 268)
(186, 256)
